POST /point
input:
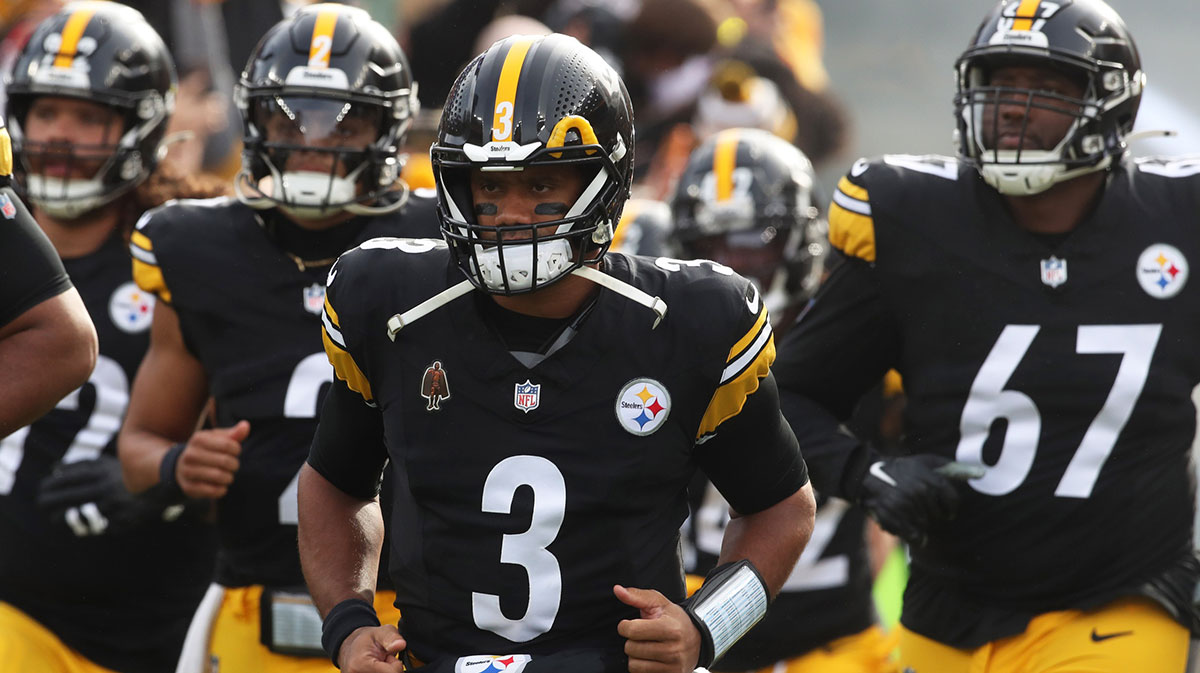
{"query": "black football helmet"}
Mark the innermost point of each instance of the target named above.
(312, 80)
(1083, 38)
(528, 101)
(106, 53)
(645, 229)
(745, 200)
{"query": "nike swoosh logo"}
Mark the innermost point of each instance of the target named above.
(878, 473)
(752, 304)
(1096, 637)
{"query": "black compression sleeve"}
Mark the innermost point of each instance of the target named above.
(844, 342)
(30, 270)
(836, 459)
(348, 447)
(754, 460)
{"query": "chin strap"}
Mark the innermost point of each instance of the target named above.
(626, 290)
(1156, 133)
(402, 320)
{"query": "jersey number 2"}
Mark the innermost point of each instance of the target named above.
(989, 401)
(527, 549)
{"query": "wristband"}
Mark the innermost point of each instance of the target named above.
(166, 473)
(731, 601)
(342, 620)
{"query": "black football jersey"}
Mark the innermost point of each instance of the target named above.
(32, 272)
(1064, 365)
(525, 493)
(827, 596)
(106, 596)
(251, 315)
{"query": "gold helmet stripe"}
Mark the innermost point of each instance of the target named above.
(71, 32)
(724, 161)
(322, 38)
(1026, 13)
(506, 90)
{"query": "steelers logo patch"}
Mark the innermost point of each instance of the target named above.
(643, 406)
(1162, 270)
(131, 308)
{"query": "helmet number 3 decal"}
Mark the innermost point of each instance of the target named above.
(502, 122)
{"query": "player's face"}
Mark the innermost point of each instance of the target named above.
(70, 138)
(323, 125)
(1022, 121)
(536, 194)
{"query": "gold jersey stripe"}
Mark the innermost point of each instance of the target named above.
(71, 32)
(322, 38)
(852, 233)
(150, 278)
(6, 160)
(852, 190)
(724, 161)
(893, 385)
(506, 90)
(748, 339)
(333, 316)
(729, 399)
(1026, 12)
(142, 241)
(346, 368)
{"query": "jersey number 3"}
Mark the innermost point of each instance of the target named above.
(527, 549)
(989, 401)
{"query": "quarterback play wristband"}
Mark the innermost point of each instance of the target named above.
(345, 618)
(732, 600)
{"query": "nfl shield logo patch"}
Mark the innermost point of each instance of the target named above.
(527, 396)
(314, 298)
(1054, 271)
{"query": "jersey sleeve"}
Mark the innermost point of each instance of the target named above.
(31, 269)
(147, 272)
(743, 443)
(851, 226)
(347, 422)
(339, 296)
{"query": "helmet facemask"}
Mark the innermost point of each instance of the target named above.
(520, 258)
(322, 155)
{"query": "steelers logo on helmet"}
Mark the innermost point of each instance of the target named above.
(326, 100)
(643, 406)
(1086, 42)
(1162, 271)
(106, 55)
(525, 102)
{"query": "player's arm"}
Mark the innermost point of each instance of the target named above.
(159, 443)
(48, 344)
(341, 530)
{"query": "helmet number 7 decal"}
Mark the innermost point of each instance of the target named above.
(527, 549)
(989, 401)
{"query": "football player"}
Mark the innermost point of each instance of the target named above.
(326, 99)
(645, 229)
(1034, 294)
(746, 200)
(537, 513)
(82, 561)
(47, 341)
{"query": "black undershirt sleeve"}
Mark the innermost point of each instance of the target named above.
(30, 270)
(348, 447)
(843, 343)
(839, 349)
(753, 459)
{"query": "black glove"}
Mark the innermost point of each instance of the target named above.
(909, 494)
(88, 497)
